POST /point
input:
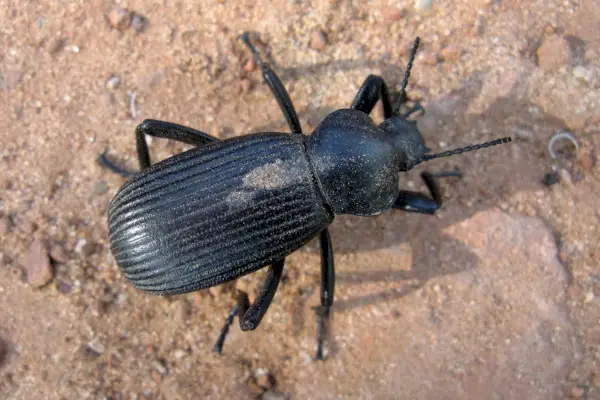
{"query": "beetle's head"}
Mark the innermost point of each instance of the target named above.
(408, 142)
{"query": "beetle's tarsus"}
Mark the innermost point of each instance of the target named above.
(414, 109)
(447, 174)
(322, 315)
(104, 162)
(218, 348)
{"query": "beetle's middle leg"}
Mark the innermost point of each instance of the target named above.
(417, 202)
(251, 315)
(166, 130)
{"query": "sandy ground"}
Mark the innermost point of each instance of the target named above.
(494, 298)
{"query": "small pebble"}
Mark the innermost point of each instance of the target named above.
(264, 378)
(318, 40)
(58, 254)
(138, 23)
(583, 74)
(563, 256)
(254, 388)
(85, 248)
(119, 18)
(96, 346)
(39, 269)
(423, 5)
(250, 65)
(391, 14)
(56, 45)
(428, 58)
(156, 376)
(565, 177)
(551, 178)
(586, 159)
(450, 53)
(64, 288)
(179, 354)
(524, 134)
(589, 297)
(554, 53)
(28, 227)
(113, 82)
(160, 367)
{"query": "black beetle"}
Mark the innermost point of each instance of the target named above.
(227, 208)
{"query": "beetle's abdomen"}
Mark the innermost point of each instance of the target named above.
(215, 213)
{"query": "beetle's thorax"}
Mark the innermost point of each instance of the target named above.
(357, 162)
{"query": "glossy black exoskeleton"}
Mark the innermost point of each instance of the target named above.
(230, 207)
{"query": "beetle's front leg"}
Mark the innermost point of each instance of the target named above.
(372, 90)
(251, 315)
(417, 202)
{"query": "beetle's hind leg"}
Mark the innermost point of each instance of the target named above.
(276, 86)
(251, 315)
(160, 129)
(327, 289)
(104, 162)
(417, 202)
(166, 130)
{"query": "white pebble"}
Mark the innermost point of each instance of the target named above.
(423, 5)
(584, 74)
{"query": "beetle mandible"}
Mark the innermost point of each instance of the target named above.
(229, 207)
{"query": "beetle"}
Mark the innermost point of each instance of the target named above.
(227, 208)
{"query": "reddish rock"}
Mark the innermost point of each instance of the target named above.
(119, 18)
(39, 269)
(554, 53)
(391, 14)
(318, 40)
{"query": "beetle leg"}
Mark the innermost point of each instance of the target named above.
(276, 86)
(104, 162)
(415, 108)
(373, 89)
(327, 289)
(420, 203)
(166, 130)
(251, 315)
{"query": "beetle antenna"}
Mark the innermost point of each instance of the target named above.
(460, 150)
(413, 53)
(245, 37)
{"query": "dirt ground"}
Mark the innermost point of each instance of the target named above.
(494, 298)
